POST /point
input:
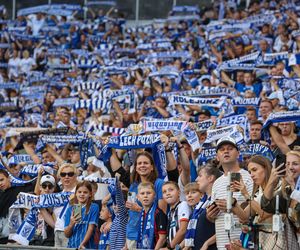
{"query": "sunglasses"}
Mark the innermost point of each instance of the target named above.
(49, 186)
(70, 174)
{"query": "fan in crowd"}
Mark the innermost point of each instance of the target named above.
(178, 134)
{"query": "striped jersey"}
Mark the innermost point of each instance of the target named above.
(219, 191)
(180, 213)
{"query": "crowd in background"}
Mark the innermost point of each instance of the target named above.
(151, 137)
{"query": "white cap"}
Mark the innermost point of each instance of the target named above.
(48, 178)
(226, 140)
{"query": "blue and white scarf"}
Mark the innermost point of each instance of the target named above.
(16, 159)
(256, 149)
(286, 116)
(232, 131)
(191, 229)
(27, 229)
(163, 125)
(65, 102)
(185, 100)
(146, 228)
(104, 128)
(143, 141)
(24, 200)
(244, 102)
(32, 170)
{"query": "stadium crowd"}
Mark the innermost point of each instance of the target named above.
(179, 134)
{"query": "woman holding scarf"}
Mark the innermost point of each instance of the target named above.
(68, 176)
(144, 171)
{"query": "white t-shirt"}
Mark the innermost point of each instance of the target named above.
(14, 67)
(219, 191)
(26, 64)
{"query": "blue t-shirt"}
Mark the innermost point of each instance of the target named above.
(132, 226)
(80, 228)
(256, 88)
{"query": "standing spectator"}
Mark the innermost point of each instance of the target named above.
(80, 227)
(178, 216)
(227, 155)
(201, 232)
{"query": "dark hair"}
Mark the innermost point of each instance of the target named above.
(211, 170)
(88, 185)
(251, 108)
(256, 123)
(4, 172)
(135, 177)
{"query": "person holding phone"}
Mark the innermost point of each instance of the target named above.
(81, 218)
(260, 170)
(227, 155)
(287, 205)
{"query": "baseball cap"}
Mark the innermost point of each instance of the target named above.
(47, 178)
(226, 140)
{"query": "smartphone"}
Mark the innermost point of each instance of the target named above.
(283, 168)
(77, 211)
(235, 177)
(131, 197)
(213, 204)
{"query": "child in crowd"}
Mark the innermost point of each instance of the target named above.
(201, 232)
(115, 215)
(81, 218)
(192, 194)
(107, 215)
(178, 215)
(153, 221)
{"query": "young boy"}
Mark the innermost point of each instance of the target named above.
(106, 214)
(178, 216)
(192, 194)
(153, 221)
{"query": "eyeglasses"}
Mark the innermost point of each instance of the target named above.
(70, 174)
(49, 186)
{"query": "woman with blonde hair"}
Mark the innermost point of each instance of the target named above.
(68, 176)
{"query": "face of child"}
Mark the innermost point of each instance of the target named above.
(202, 180)
(146, 196)
(104, 213)
(193, 197)
(83, 195)
(170, 194)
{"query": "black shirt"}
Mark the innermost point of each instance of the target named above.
(205, 229)
(9, 196)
